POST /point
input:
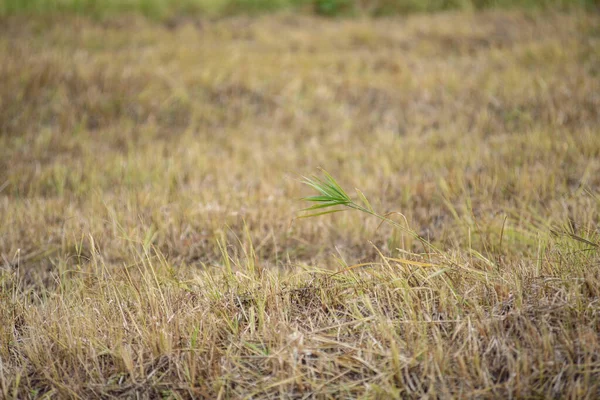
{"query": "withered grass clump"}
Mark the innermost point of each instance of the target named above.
(149, 186)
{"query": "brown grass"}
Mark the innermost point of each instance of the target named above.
(149, 178)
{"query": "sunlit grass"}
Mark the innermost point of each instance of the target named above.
(148, 185)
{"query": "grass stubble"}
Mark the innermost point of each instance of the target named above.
(149, 175)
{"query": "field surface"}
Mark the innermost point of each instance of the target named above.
(151, 176)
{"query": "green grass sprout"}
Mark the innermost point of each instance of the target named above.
(331, 195)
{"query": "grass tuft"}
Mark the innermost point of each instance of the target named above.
(330, 195)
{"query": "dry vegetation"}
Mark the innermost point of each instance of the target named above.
(149, 176)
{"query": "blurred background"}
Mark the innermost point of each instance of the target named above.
(163, 8)
(177, 122)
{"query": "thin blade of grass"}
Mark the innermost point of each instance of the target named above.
(319, 198)
(324, 205)
(410, 262)
(319, 186)
(320, 213)
(334, 185)
(439, 272)
(353, 267)
(363, 198)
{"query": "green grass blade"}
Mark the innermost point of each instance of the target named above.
(364, 200)
(322, 213)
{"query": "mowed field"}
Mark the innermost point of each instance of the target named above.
(151, 176)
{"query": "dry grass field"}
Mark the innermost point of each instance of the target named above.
(151, 176)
